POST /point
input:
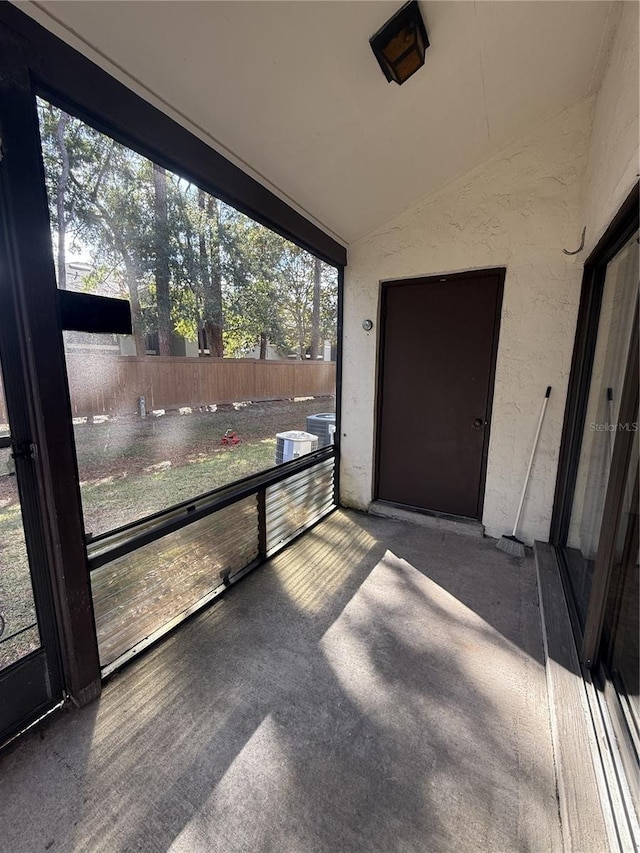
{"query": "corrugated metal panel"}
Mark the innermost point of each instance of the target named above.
(137, 595)
(108, 542)
(298, 502)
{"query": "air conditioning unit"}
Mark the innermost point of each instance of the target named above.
(294, 443)
(324, 426)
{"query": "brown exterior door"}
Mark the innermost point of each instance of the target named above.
(438, 353)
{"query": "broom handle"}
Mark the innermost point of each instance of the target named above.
(533, 453)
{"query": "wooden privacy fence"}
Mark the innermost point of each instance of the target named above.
(105, 385)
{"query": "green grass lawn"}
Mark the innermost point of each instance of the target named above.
(107, 505)
(123, 499)
(130, 469)
(16, 599)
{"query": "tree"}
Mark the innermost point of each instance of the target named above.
(187, 262)
(210, 238)
(95, 196)
(61, 125)
(253, 299)
(56, 142)
(315, 310)
(161, 244)
(119, 225)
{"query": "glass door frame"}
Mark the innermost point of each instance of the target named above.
(37, 377)
(590, 639)
(34, 683)
(622, 228)
(34, 61)
(612, 515)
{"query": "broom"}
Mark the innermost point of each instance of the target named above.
(511, 544)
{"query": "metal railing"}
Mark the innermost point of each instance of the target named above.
(150, 575)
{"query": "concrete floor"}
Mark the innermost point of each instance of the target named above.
(377, 687)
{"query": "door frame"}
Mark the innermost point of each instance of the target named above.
(34, 684)
(588, 639)
(620, 230)
(33, 61)
(612, 512)
(624, 224)
(498, 273)
(28, 273)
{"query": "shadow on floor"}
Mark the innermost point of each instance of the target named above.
(375, 687)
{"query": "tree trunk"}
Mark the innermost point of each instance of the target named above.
(137, 322)
(264, 341)
(132, 271)
(63, 182)
(211, 275)
(315, 311)
(216, 343)
(163, 297)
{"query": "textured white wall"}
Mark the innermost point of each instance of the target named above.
(613, 165)
(518, 210)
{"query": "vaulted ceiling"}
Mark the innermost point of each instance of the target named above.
(292, 91)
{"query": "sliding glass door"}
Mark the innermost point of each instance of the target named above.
(601, 424)
(596, 511)
(621, 629)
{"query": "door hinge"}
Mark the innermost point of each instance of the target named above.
(24, 450)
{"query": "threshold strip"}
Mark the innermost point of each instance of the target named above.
(39, 719)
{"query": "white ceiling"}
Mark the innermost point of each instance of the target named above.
(292, 89)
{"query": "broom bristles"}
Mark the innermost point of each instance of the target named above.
(511, 545)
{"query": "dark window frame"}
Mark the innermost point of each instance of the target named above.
(621, 229)
(76, 84)
(588, 635)
(87, 313)
(611, 517)
(34, 62)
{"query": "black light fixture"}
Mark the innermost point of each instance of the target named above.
(400, 45)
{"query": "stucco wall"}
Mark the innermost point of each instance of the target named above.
(613, 166)
(518, 210)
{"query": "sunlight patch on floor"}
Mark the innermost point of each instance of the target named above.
(312, 572)
(262, 762)
(399, 614)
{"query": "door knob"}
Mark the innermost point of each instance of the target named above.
(478, 422)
